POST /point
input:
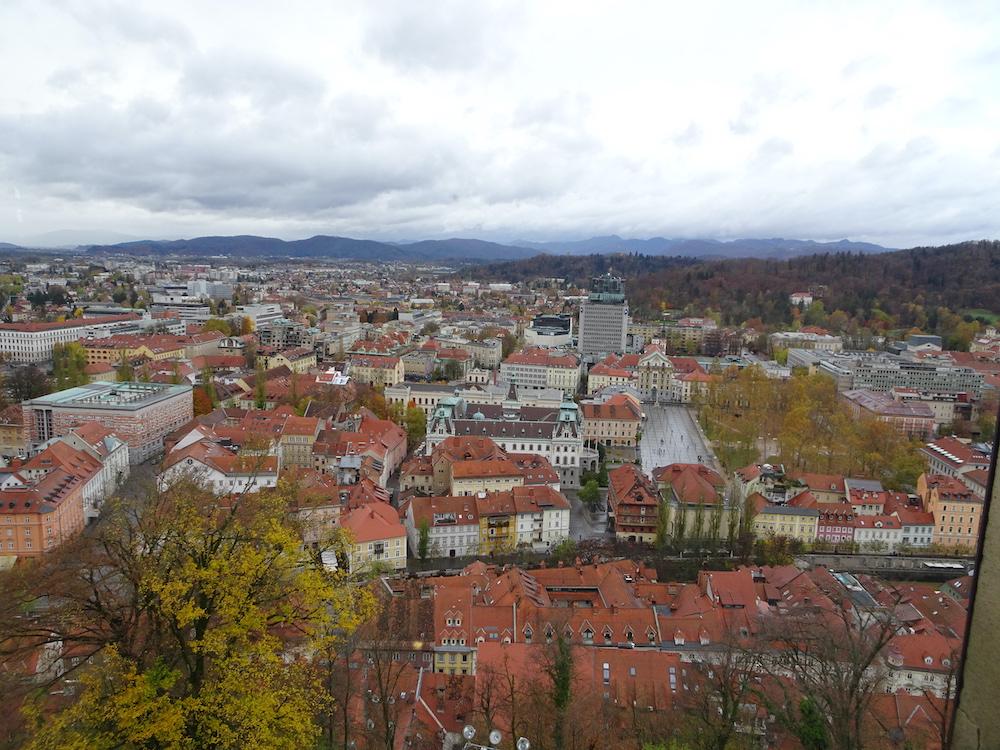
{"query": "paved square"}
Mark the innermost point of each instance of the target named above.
(671, 435)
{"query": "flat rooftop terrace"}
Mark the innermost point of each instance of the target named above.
(131, 395)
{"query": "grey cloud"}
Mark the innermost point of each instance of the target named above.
(81, 78)
(266, 82)
(746, 121)
(449, 35)
(119, 21)
(196, 160)
(563, 110)
(879, 96)
(773, 150)
(690, 136)
(860, 66)
(887, 156)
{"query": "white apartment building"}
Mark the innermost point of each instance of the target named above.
(539, 369)
(806, 340)
(884, 532)
(261, 314)
(25, 343)
(452, 525)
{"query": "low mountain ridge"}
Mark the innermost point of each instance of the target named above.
(775, 247)
(469, 249)
(320, 246)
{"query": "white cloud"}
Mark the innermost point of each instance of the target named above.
(502, 120)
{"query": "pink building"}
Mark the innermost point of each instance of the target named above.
(836, 523)
(141, 414)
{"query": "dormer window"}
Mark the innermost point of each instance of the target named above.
(607, 636)
(588, 635)
(629, 635)
(528, 633)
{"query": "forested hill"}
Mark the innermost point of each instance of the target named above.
(905, 287)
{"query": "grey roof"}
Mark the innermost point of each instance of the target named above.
(102, 395)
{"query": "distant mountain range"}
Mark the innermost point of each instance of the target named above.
(696, 248)
(458, 249)
(321, 246)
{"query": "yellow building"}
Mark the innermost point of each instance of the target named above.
(473, 477)
(379, 539)
(12, 431)
(455, 658)
(376, 370)
(782, 520)
(602, 376)
(612, 422)
(298, 436)
(298, 360)
(957, 510)
(115, 348)
(497, 524)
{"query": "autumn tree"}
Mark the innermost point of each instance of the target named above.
(373, 400)
(260, 387)
(218, 324)
(69, 364)
(202, 401)
(416, 426)
(126, 373)
(208, 383)
(185, 609)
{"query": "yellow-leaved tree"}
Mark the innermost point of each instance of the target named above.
(194, 619)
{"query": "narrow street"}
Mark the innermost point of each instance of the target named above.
(583, 525)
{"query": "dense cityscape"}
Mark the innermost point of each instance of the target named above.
(499, 375)
(672, 517)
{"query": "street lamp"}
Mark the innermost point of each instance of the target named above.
(469, 732)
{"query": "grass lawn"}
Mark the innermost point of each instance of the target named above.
(980, 312)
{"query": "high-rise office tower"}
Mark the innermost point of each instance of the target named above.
(603, 318)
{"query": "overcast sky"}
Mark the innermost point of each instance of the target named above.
(877, 121)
